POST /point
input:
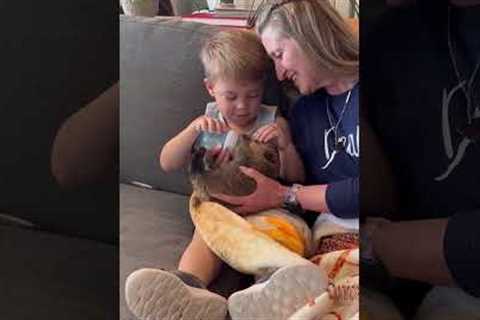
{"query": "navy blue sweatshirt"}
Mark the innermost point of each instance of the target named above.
(314, 136)
(418, 106)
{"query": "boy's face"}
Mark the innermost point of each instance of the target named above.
(238, 101)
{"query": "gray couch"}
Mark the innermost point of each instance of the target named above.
(161, 92)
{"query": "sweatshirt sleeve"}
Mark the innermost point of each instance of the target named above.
(342, 198)
(462, 250)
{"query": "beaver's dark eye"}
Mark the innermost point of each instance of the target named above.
(269, 156)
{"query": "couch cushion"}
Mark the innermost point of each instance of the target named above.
(161, 92)
(159, 96)
(46, 276)
(155, 228)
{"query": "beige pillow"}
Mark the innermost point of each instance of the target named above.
(237, 242)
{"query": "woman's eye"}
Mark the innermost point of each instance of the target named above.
(254, 96)
(230, 98)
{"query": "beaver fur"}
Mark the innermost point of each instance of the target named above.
(208, 179)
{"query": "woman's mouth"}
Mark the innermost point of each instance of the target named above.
(293, 77)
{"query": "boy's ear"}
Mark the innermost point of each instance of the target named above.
(209, 86)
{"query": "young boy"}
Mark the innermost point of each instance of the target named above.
(235, 64)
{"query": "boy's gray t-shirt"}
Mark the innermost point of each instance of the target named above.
(209, 140)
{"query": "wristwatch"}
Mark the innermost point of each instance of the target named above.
(367, 255)
(374, 273)
(290, 201)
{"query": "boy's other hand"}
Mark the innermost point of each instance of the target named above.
(221, 156)
(208, 124)
(273, 132)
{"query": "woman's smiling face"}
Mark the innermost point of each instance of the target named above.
(292, 63)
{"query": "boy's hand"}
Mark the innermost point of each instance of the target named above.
(273, 132)
(221, 156)
(208, 124)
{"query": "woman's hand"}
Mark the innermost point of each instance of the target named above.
(268, 194)
(276, 132)
(208, 124)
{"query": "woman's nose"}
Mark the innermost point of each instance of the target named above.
(280, 71)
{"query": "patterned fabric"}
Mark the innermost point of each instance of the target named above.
(338, 241)
(338, 264)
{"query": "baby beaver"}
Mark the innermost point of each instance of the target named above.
(209, 179)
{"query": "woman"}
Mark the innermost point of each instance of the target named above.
(313, 47)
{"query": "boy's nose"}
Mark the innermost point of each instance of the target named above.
(241, 105)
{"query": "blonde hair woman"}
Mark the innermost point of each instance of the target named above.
(323, 37)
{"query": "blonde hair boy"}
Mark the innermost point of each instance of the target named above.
(234, 54)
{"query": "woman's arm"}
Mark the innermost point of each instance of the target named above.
(438, 251)
(413, 250)
(292, 164)
(313, 198)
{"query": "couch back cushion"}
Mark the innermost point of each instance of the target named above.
(161, 92)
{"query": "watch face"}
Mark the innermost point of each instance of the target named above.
(291, 198)
(291, 203)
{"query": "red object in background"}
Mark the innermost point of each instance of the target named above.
(213, 19)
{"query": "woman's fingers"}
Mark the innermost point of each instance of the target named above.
(235, 200)
(252, 173)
